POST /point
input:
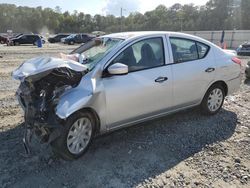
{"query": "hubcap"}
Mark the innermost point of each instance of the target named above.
(215, 100)
(79, 135)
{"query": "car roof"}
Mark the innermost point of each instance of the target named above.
(127, 35)
(246, 43)
(30, 35)
(138, 34)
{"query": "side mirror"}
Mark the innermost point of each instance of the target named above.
(118, 69)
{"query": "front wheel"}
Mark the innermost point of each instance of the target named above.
(247, 73)
(213, 100)
(71, 43)
(76, 136)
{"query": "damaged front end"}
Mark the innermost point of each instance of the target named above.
(43, 81)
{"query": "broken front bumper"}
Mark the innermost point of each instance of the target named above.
(45, 130)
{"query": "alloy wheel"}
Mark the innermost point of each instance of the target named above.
(215, 99)
(79, 135)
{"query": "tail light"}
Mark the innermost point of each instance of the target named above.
(236, 60)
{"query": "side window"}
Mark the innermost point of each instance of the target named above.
(183, 50)
(202, 49)
(24, 37)
(144, 54)
(32, 38)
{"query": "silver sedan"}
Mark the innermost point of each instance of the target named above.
(118, 80)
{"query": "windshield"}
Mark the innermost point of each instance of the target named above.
(71, 36)
(96, 49)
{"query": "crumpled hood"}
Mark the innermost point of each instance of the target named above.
(44, 65)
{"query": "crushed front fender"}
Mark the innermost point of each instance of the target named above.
(88, 94)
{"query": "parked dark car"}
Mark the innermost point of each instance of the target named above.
(16, 35)
(244, 49)
(247, 71)
(57, 38)
(77, 38)
(26, 39)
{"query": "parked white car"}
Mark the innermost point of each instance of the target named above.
(124, 79)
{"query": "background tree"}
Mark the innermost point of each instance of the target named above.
(214, 15)
(245, 14)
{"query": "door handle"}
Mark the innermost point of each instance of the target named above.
(210, 69)
(161, 79)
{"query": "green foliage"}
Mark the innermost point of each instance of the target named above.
(245, 10)
(215, 15)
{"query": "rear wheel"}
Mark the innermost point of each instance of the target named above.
(247, 73)
(76, 136)
(213, 100)
(16, 43)
(71, 42)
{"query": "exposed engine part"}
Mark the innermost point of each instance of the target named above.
(26, 140)
(39, 97)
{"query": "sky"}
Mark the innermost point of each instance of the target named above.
(102, 7)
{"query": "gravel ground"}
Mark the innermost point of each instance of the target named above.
(181, 150)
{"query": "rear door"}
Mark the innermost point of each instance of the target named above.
(34, 39)
(23, 39)
(31, 39)
(78, 38)
(146, 90)
(84, 38)
(193, 70)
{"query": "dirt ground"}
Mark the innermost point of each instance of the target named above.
(181, 150)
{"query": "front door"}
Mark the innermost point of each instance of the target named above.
(145, 90)
(78, 38)
(23, 39)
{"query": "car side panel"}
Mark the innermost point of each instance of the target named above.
(132, 96)
(88, 94)
(190, 79)
(227, 70)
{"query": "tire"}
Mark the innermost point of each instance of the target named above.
(16, 44)
(64, 146)
(71, 43)
(247, 73)
(213, 100)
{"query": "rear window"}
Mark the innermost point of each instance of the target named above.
(246, 46)
(185, 50)
(202, 49)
